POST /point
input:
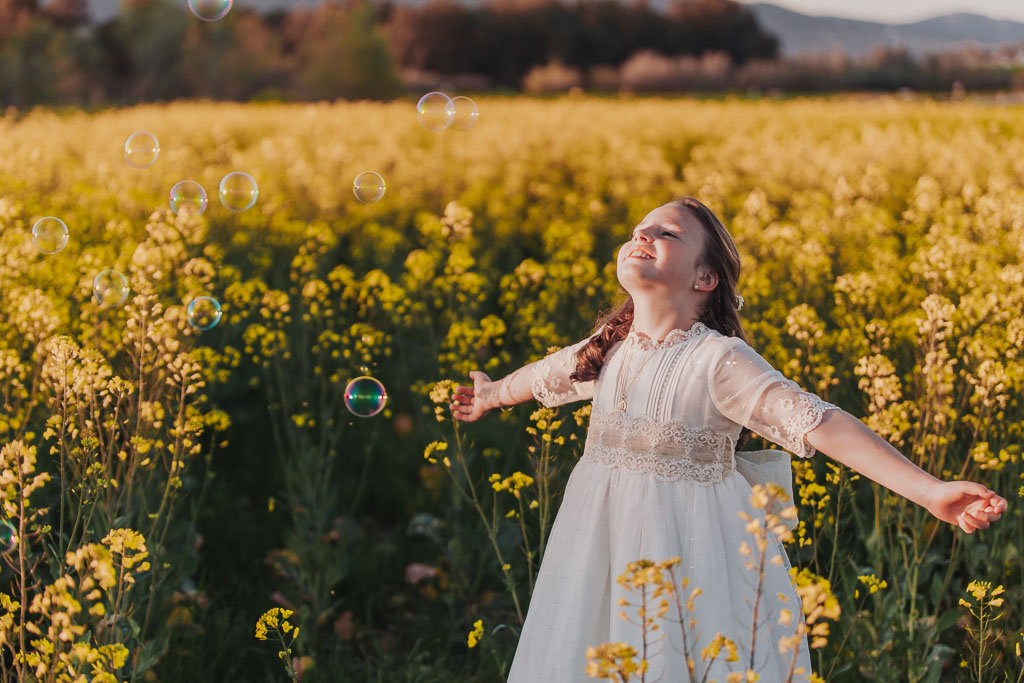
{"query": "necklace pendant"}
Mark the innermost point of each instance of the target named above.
(622, 404)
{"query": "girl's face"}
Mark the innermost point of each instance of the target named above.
(662, 255)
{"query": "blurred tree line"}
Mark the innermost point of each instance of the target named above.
(156, 50)
(504, 39)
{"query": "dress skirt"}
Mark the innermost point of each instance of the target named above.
(611, 516)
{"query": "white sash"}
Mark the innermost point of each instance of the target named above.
(772, 465)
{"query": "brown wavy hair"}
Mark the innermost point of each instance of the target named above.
(720, 255)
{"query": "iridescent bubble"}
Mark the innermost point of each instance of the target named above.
(204, 312)
(8, 537)
(464, 113)
(425, 524)
(110, 288)
(238, 191)
(49, 235)
(434, 111)
(141, 149)
(188, 198)
(210, 10)
(365, 396)
(368, 187)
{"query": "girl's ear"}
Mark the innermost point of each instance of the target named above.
(708, 278)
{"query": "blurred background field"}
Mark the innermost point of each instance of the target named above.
(881, 243)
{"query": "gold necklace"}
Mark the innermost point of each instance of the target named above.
(622, 396)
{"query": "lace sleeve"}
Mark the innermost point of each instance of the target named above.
(551, 384)
(746, 389)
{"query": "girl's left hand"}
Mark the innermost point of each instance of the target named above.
(966, 504)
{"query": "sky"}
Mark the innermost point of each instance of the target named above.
(902, 11)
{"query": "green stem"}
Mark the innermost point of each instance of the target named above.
(835, 527)
(362, 474)
(760, 588)
(492, 530)
(285, 650)
(21, 666)
(63, 449)
(526, 543)
(981, 637)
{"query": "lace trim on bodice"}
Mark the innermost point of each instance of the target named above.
(668, 451)
(794, 428)
(638, 340)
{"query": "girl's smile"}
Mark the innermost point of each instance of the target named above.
(641, 253)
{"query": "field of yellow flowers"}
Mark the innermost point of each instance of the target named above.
(171, 492)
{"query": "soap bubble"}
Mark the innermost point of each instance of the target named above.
(8, 537)
(204, 312)
(141, 149)
(464, 113)
(49, 235)
(110, 288)
(210, 10)
(368, 187)
(188, 197)
(425, 524)
(238, 191)
(434, 111)
(365, 396)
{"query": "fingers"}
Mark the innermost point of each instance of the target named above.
(989, 501)
(978, 520)
(963, 521)
(990, 511)
(988, 507)
(976, 517)
(461, 403)
(997, 503)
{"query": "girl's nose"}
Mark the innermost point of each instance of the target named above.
(641, 236)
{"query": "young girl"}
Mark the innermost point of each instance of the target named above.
(675, 390)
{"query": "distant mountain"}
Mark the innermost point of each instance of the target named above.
(802, 33)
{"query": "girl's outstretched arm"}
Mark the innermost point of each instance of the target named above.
(966, 504)
(547, 380)
(748, 390)
(471, 403)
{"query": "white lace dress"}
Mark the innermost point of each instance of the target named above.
(662, 480)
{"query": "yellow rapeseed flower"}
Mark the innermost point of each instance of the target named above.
(476, 634)
(614, 661)
(271, 619)
(432, 448)
(873, 583)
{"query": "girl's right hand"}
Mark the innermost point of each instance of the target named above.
(469, 404)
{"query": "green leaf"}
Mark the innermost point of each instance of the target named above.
(843, 668)
(151, 654)
(947, 620)
(939, 655)
(134, 626)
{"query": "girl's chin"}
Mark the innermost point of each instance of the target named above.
(633, 268)
(635, 284)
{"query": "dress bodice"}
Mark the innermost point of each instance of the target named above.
(686, 399)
